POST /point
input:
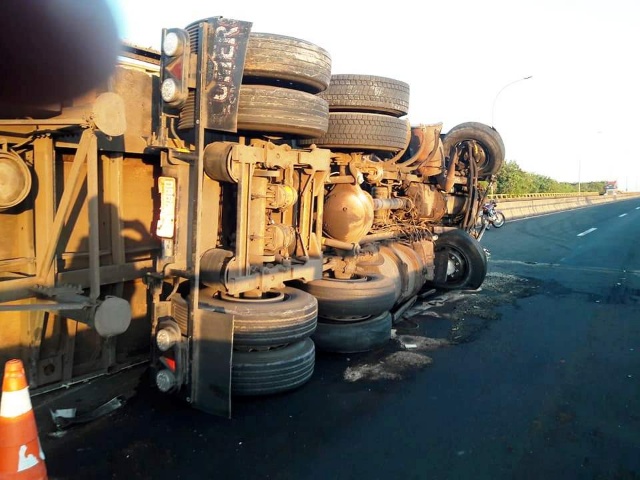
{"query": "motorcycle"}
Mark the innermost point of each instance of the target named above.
(487, 215)
(492, 216)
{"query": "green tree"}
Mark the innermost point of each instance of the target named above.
(512, 180)
(543, 184)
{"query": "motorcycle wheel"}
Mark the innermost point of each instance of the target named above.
(499, 221)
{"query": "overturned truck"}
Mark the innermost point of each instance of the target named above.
(224, 208)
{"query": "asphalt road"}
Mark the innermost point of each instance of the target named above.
(535, 376)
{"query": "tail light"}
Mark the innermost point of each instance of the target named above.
(175, 67)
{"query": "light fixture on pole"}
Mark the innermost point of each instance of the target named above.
(493, 108)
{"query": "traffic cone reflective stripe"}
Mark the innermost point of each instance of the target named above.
(21, 456)
(15, 403)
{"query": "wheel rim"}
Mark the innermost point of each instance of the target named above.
(456, 266)
(356, 278)
(483, 162)
(461, 261)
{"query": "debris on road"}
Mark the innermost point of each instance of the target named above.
(66, 417)
(391, 367)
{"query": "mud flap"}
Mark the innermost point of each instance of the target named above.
(211, 356)
(225, 49)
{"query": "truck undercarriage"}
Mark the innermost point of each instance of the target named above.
(224, 209)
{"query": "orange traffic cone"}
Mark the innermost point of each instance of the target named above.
(21, 456)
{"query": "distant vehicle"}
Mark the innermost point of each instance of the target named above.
(611, 188)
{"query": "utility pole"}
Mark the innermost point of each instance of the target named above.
(579, 168)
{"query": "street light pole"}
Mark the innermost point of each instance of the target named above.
(493, 108)
(579, 173)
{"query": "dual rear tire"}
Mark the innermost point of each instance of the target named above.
(358, 335)
(365, 113)
(353, 313)
(273, 351)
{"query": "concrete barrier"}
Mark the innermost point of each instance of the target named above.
(514, 208)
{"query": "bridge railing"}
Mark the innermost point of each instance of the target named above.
(533, 204)
(544, 195)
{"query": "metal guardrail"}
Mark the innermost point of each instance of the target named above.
(518, 206)
(542, 195)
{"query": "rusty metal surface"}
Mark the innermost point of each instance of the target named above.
(91, 226)
(349, 213)
(108, 114)
(139, 91)
(55, 348)
(273, 212)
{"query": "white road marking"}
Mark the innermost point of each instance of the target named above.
(586, 232)
(558, 265)
(623, 215)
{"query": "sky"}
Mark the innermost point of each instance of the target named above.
(576, 119)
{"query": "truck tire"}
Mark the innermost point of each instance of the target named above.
(353, 337)
(342, 300)
(269, 109)
(363, 131)
(286, 62)
(466, 261)
(286, 316)
(490, 155)
(367, 93)
(272, 371)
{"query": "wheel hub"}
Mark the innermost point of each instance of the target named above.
(455, 265)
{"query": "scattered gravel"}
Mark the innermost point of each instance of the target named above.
(390, 367)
